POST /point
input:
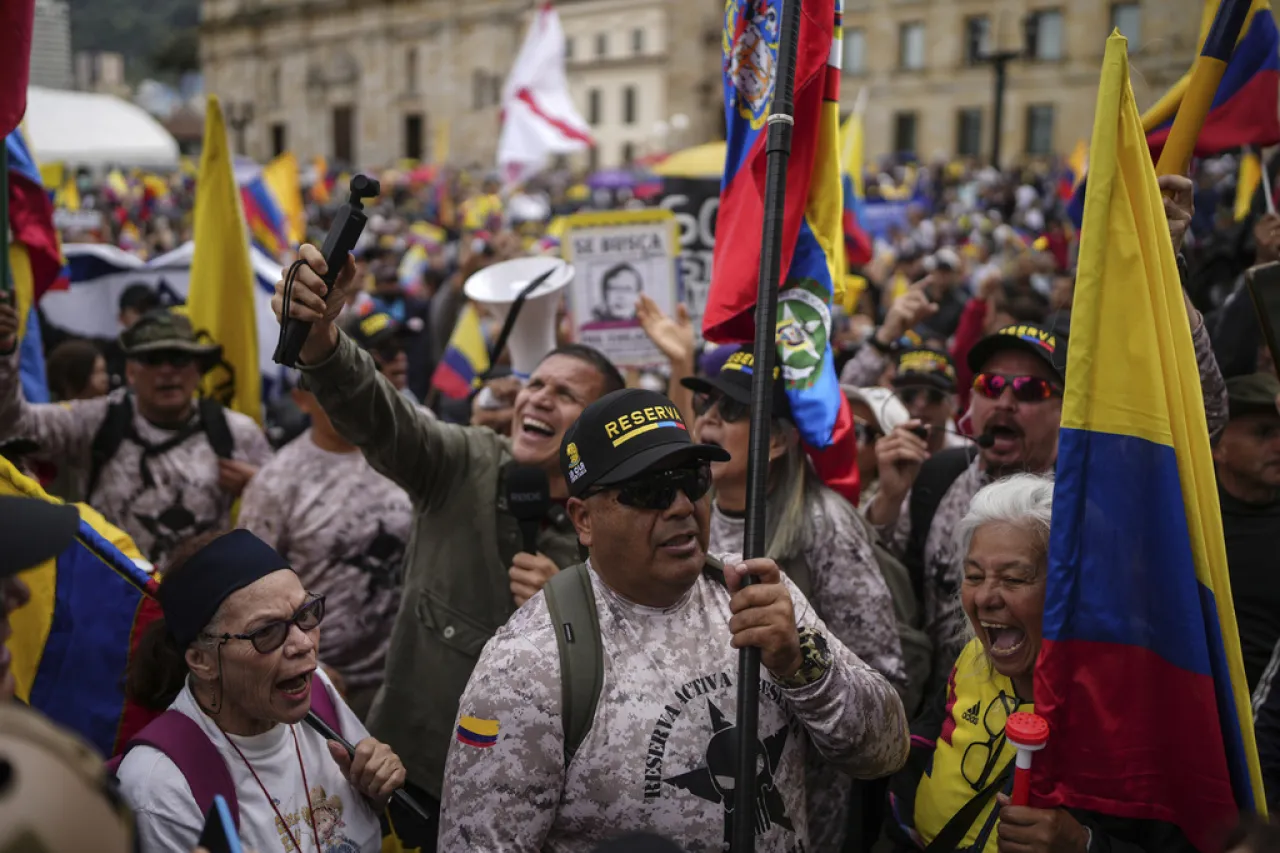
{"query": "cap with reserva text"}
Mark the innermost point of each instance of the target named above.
(626, 433)
(1026, 337)
(734, 381)
(1253, 394)
(916, 367)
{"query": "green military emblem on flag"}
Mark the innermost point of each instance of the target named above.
(804, 325)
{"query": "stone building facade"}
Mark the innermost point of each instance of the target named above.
(929, 92)
(368, 82)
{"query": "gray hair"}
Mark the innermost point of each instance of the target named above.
(1022, 500)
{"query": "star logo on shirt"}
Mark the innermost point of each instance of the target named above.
(714, 782)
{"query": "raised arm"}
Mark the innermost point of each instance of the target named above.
(63, 431)
(422, 456)
(1179, 207)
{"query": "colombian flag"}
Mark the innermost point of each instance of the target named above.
(858, 247)
(72, 643)
(31, 218)
(264, 216)
(220, 297)
(1140, 675)
(465, 359)
(1244, 108)
(813, 260)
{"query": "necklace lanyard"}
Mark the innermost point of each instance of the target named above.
(315, 834)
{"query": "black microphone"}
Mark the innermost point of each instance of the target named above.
(528, 499)
(984, 441)
(338, 243)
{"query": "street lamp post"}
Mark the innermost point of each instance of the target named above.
(1000, 62)
(239, 116)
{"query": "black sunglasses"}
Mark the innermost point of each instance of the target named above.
(173, 358)
(866, 433)
(908, 396)
(272, 635)
(731, 411)
(658, 490)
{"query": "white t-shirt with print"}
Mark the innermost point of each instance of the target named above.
(170, 822)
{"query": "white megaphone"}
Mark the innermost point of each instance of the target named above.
(534, 333)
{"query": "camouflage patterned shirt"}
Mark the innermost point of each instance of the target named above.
(659, 752)
(183, 497)
(343, 527)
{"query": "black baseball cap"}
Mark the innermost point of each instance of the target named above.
(32, 531)
(928, 367)
(734, 381)
(375, 331)
(626, 433)
(1253, 394)
(1028, 337)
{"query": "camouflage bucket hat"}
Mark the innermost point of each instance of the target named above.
(163, 330)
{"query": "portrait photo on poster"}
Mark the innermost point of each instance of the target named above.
(617, 257)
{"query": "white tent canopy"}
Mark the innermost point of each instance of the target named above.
(98, 131)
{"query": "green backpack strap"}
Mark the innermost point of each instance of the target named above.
(571, 602)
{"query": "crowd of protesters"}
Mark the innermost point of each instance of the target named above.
(375, 504)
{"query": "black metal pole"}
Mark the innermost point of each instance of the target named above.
(777, 152)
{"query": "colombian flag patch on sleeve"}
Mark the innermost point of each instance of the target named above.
(476, 732)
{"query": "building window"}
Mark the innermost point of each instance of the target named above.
(593, 107)
(1044, 35)
(911, 46)
(411, 70)
(602, 44)
(854, 60)
(969, 132)
(344, 151)
(977, 39)
(568, 48)
(1040, 130)
(279, 139)
(629, 105)
(904, 132)
(413, 136)
(1127, 18)
(637, 41)
(486, 89)
(273, 88)
(628, 153)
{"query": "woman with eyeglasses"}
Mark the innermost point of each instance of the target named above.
(954, 791)
(816, 538)
(235, 658)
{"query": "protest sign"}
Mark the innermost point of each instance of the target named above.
(695, 202)
(616, 256)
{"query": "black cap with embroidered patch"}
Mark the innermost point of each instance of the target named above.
(626, 433)
(1044, 344)
(925, 367)
(734, 381)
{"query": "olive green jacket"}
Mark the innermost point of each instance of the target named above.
(456, 589)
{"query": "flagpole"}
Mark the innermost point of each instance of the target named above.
(778, 152)
(1219, 44)
(6, 282)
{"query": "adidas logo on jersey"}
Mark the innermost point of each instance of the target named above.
(971, 716)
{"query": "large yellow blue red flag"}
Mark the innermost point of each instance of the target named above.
(1140, 674)
(813, 250)
(221, 296)
(72, 642)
